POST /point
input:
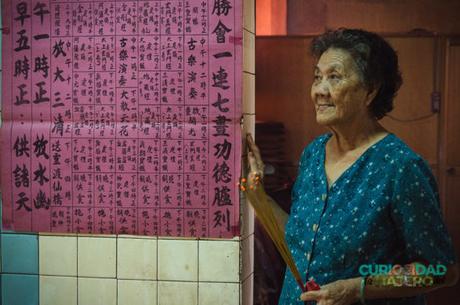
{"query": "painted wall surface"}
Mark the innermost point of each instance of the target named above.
(301, 17)
(271, 17)
(56, 269)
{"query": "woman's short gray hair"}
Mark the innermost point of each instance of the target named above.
(376, 60)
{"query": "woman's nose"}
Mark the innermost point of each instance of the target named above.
(321, 87)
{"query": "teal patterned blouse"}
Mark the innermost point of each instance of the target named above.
(384, 209)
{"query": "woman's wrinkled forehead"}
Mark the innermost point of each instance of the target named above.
(334, 59)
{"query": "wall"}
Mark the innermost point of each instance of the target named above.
(71, 269)
(248, 125)
(271, 17)
(285, 73)
(300, 17)
(389, 16)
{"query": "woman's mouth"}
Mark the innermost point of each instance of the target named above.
(322, 107)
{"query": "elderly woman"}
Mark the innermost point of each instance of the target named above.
(362, 196)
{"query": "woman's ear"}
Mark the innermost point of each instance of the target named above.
(372, 93)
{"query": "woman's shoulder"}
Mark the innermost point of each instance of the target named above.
(317, 143)
(314, 147)
(399, 155)
(400, 151)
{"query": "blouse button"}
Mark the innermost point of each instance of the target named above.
(323, 197)
(315, 227)
(308, 256)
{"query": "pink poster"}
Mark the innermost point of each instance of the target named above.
(122, 117)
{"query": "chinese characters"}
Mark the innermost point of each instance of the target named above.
(123, 117)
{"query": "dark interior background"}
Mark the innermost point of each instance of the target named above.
(426, 35)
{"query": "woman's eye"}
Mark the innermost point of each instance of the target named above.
(317, 77)
(334, 76)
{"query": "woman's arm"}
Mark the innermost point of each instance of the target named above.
(345, 292)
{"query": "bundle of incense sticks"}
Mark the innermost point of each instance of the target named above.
(259, 201)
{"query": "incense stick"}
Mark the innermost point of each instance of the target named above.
(259, 202)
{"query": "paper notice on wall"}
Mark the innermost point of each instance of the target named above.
(122, 117)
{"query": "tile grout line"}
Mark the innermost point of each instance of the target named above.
(240, 271)
(198, 272)
(249, 31)
(77, 273)
(157, 273)
(247, 277)
(123, 279)
(116, 270)
(38, 267)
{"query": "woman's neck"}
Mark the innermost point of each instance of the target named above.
(355, 135)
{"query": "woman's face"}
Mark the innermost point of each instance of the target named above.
(337, 91)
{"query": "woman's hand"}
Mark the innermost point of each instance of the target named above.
(256, 165)
(341, 292)
(253, 187)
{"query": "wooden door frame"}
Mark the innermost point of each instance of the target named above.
(444, 44)
(443, 47)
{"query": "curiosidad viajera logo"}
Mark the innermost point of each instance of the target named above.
(410, 275)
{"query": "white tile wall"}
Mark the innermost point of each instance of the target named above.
(219, 261)
(137, 258)
(178, 260)
(249, 124)
(248, 220)
(132, 292)
(247, 256)
(249, 84)
(249, 15)
(58, 290)
(247, 290)
(249, 89)
(248, 51)
(97, 291)
(58, 255)
(177, 293)
(97, 256)
(219, 294)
